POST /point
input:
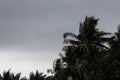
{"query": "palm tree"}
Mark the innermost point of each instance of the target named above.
(58, 70)
(88, 42)
(82, 49)
(57, 66)
(112, 61)
(10, 76)
(36, 76)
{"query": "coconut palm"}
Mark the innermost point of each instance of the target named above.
(88, 42)
(82, 49)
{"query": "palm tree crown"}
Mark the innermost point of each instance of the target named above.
(89, 40)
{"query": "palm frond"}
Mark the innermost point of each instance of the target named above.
(100, 34)
(65, 35)
(70, 41)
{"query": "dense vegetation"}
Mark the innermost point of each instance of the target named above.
(89, 55)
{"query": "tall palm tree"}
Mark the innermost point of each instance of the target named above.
(82, 49)
(88, 42)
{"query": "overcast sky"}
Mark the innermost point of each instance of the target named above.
(31, 30)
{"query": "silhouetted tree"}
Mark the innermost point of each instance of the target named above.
(36, 76)
(89, 40)
(83, 49)
(10, 76)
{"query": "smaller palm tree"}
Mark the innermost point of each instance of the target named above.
(10, 76)
(37, 76)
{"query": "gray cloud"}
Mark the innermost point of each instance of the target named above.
(33, 30)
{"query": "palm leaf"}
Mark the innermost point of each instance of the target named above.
(70, 41)
(65, 35)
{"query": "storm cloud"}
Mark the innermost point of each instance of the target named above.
(31, 30)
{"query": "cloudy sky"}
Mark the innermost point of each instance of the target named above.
(31, 30)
